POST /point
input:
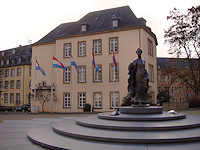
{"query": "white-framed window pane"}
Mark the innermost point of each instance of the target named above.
(67, 74)
(12, 72)
(7, 62)
(83, 27)
(6, 84)
(97, 74)
(116, 97)
(97, 100)
(114, 45)
(18, 71)
(18, 84)
(67, 50)
(7, 73)
(11, 97)
(112, 75)
(115, 23)
(67, 100)
(82, 74)
(1, 73)
(17, 98)
(81, 99)
(81, 47)
(97, 47)
(6, 98)
(12, 84)
(150, 47)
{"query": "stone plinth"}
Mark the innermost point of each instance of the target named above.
(141, 110)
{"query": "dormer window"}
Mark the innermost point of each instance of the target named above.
(2, 53)
(83, 26)
(7, 62)
(115, 21)
(13, 51)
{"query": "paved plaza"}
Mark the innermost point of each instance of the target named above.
(14, 127)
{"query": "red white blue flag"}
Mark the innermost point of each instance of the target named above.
(58, 64)
(39, 68)
(114, 60)
(94, 63)
(73, 63)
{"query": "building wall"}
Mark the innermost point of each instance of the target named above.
(128, 42)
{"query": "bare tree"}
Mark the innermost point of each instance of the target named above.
(43, 93)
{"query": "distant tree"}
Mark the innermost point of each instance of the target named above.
(183, 36)
(43, 93)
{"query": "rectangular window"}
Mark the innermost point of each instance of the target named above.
(114, 45)
(18, 84)
(11, 97)
(1, 85)
(19, 60)
(2, 63)
(81, 48)
(12, 84)
(81, 100)
(67, 50)
(6, 98)
(116, 97)
(112, 75)
(151, 73)
(174, 100)
(181, 100)
(83, 27)
(97, 100)
(115, 23)
(7, 62)
(1, 73)
(12, 72)
(181, 90)
(67, 100)
(7, 73)
(6, 84)
(82, 74)
(97, 74)
(18, 98)
(18, 71)
(150, 47)
(67, 74)
(97, 47)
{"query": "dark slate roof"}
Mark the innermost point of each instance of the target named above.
(97, 21)
(179, 63)
(23, 52)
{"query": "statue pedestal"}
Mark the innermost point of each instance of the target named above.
(141, 110)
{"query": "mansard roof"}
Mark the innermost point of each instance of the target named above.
(98, 21)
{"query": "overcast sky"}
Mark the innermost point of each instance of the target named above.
(21, 20)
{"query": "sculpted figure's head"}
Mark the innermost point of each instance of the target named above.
(139, 52)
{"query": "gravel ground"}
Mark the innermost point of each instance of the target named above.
(29, 116)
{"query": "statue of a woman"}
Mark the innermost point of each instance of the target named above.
(138, 81)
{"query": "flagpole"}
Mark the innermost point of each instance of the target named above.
(35, 84)
(113, 86)
(52, 87)
(91, 88)
(70, 88)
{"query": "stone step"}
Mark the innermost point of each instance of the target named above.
(141, 110)
(141, 117)
(95, 122)
(141, 137)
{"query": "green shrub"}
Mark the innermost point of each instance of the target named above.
(87, 107)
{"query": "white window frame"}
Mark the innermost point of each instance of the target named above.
(97, 100)
(18, 71)
(6, 84)
(7, 73)
(83, 27)
(12, 72)
(112, 67)
(82, 74)
(81, 49)
(68, 49)
(97, 47)
(5, 97)
(67, 100)
(98, 74)
(150, 47)
(115, 23)
(67, 75)
(11, 97)
(113, 44)
(116, 99)
(18, 98)
(7, 62)
(2, 63)
(81, 100)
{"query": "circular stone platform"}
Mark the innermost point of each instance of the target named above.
(140, 110)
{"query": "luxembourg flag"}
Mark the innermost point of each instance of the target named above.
(114, 60)
(39, 68)
(74, 64)
(94, 63)
(58, 64)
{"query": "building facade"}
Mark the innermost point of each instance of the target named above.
(15, 76)
(99, 33)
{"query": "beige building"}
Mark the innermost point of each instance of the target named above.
(15, 76)
(99, 32)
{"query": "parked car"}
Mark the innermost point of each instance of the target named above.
(25, 107)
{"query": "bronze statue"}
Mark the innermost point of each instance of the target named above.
(138, 81)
